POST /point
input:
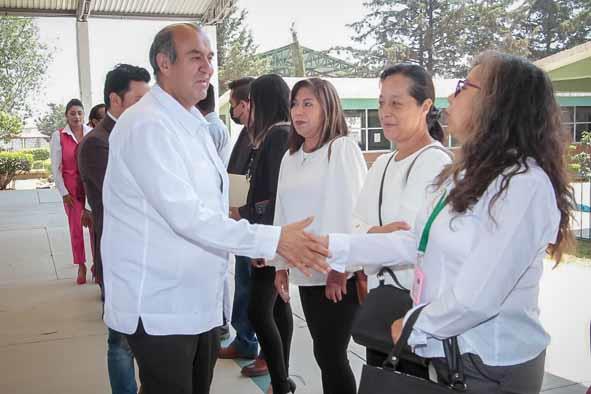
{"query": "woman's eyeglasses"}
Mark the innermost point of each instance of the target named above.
(464, 84)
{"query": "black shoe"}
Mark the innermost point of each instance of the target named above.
(292, 385)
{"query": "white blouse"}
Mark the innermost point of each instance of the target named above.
(311, 184)
(401, 198)
(56, 156)
(482, 273)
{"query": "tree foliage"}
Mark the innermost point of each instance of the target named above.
(443, 35)
(12, 163)
(53, 119)
(236, 49)
(23, 62)
(10, 126)
(551, 26)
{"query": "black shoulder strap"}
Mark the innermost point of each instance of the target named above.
(381, 195)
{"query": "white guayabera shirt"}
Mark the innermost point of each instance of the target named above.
(167, 234)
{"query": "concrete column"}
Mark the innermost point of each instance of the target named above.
(83, 52)
(211, 33)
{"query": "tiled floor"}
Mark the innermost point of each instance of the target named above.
(52, 339)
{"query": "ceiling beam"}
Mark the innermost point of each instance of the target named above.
(83, 10)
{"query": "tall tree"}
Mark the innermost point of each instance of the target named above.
(53, 120)
(10, 126)
(551, 26)
(442, 35)
(23, 62)
(421, 31)
(237, 49)
(489, 25)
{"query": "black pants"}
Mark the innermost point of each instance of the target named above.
(175, 364)
(272, 321)
(330, 328)
(525, 378)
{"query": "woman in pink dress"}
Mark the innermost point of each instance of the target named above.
(64, 145)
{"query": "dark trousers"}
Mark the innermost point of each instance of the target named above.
(175, 364)
(97, 258)
(330, 327)
(480, 378)
(273, 323)
(120, 364)
(246, 341)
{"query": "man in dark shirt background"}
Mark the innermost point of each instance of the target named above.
(124, 86)
(245, 345)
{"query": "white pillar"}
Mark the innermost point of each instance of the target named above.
(83, 52)
(211, 33)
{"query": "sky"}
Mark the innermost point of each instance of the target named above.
(321, 24)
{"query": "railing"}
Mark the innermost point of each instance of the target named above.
(582, 215)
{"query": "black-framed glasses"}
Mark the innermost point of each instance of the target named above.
(464, 84)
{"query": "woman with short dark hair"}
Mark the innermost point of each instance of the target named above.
(398, 182)
(499, 208)
(64, 165)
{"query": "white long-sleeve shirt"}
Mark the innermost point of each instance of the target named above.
(56, 156)
(311, 184)
(482, 275)
(401, 198)
(167, 234)
(220, 136)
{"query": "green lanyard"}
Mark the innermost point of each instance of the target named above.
(427, 230)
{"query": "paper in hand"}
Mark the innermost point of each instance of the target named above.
(239, 186)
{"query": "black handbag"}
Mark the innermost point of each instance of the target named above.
(388, 380)
(383, 305)
(386, 303)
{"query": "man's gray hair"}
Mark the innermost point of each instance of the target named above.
(164, 43)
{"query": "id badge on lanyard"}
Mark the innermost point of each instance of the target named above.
(419, 277)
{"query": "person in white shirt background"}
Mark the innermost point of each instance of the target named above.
(167, 233)
(218, 130)
(221, 140)
(321, 175)
(64, 167)
(398, 182)
(504, 203)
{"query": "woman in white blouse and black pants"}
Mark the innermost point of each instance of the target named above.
(503, 204)
(398, 182)
(321, 176)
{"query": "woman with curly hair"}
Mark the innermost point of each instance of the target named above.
(499, 208)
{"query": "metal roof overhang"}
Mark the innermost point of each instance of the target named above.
(205, 11)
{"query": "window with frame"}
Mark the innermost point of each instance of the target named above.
(364, 126)
(582, 121)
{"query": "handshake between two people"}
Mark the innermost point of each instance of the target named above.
(309, 252)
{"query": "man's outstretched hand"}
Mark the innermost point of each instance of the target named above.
(302, 251)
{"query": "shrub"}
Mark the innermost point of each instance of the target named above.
(39, 154)
(47, 166)
(12, 163)
(581, 162)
